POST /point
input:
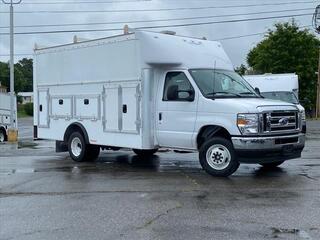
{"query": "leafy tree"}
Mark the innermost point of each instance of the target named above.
(25, 68)
(289, 50)
(4, 74)
(23, 75)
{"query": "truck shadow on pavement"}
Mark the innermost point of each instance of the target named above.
(126, 162)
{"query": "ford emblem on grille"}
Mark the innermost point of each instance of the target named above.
(284, 121)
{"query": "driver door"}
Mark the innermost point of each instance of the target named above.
(176, 113)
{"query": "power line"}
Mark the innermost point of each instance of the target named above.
(217, 39)
(159, 26)
(161, 9)
(95, 2)
(83, 2)
(155, 20)
(19, 54)
(251, 35)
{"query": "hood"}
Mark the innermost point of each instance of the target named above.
(247, 105)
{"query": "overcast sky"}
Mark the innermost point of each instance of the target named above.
(236, 48)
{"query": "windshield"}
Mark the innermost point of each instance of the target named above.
(289, 97)
(222, 84)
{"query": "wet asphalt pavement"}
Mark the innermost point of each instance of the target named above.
(45, 195)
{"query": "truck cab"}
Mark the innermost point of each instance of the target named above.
(218, 113)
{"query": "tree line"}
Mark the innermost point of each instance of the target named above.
(288, 49)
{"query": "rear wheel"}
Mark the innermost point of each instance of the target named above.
(80, 151)
(145, 153)
(217, 157)
(77, 147)
(3, 135)
(272, 164)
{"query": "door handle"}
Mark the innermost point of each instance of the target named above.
(160, 116)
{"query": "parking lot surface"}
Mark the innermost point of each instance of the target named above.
(45, 195)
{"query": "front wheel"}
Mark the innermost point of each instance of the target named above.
(272, 164)
(218, 158)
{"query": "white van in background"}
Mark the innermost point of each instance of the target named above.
(5, 115)
(283, 87)
(147, 90)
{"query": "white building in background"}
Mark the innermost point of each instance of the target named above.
(27, 97)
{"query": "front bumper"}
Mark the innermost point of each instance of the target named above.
(268, 149)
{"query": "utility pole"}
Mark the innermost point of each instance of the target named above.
(318, 91)
(316, 25)
(13, 132)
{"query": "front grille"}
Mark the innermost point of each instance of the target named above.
(280, 121)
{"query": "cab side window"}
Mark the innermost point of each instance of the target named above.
(177, 87)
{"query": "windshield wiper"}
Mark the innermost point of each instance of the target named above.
(230, 93)
(251, 93)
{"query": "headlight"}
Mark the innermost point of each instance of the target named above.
(303, 115)
(248, 123)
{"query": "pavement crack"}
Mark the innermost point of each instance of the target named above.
(17, 194)
(30, 233)
(154, 219)
(191, 180)
(301, 234)
(307, 176)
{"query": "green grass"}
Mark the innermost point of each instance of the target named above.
(21, 113)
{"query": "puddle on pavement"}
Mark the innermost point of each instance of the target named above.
(20, 170)
(112, 163)
(30, 145)
(267, 172)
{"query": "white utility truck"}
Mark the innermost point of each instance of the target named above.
(5, 115)
(147, 90)
(283, 87)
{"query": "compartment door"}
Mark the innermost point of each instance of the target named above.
(61, 107)
(5, 113)
(87, 107)
(111, 108)
(43, 108)
(131, 98)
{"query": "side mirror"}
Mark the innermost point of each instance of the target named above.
(257, 90)
(186, 95)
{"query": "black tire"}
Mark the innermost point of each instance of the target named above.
(92, 153)
(81, 157)
(272, 164)
(3, 137)
(224, 149)
(145, 153)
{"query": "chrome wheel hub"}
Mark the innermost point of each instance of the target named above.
(76, 147)
(218, 157)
